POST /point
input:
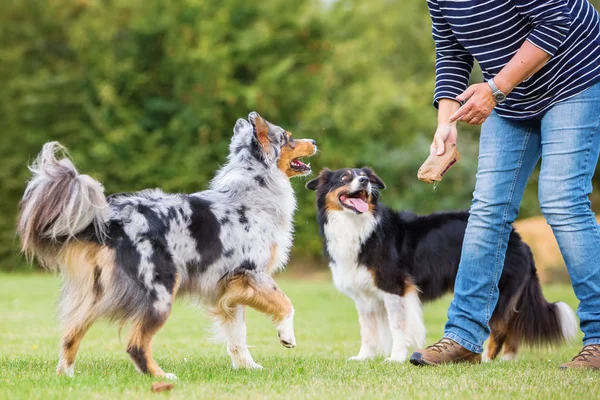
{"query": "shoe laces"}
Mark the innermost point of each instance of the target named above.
(592, 350)
(442, 345)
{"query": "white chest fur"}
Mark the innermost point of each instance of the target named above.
(345, 233)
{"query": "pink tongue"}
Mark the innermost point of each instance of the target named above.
(360, 205)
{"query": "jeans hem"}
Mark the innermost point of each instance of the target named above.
(591, 341)
(464, 343)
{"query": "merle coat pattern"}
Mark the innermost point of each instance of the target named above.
(125, 257)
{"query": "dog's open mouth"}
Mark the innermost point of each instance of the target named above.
(299, 166)
(356, 201)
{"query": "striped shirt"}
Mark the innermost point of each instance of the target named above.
(492, 31)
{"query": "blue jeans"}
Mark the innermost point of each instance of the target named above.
(567, 138)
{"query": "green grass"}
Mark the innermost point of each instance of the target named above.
(327, 334)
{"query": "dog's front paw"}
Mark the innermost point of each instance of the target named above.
(248, 365)
(485, 358)
(399, 357)
(285, 331)
(290, 344)
(66, 371)
(171, 377)
(361, 358)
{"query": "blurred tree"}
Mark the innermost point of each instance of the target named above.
(145, 94)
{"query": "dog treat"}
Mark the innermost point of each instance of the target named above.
(162, 386)
(435, 167)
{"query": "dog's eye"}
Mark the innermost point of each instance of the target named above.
(345, 178)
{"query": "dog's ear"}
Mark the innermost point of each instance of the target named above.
(375, 180)
(261, 129)
(242, 126)
(322, 178)
(313, 184)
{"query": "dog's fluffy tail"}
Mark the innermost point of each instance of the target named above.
(58, 204)
(537, 322)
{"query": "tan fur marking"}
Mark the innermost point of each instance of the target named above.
(493, 347)
(497, 339)
(70, 345)
(332, 201)
(511, 345)
(80, 258)
(142, 334)
(141, 338)
(370, 202)
(176, 287)
(410, 287)
(271, 264)
(264, 296)
(84, 263)
(289, 152)
(262, 133)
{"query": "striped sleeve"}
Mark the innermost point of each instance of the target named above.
(453, 64)
(551, 21)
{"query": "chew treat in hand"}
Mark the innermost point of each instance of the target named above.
(435, 167)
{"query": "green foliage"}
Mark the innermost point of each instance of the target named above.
(145, 93)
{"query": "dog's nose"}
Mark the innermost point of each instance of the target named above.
(363, 180)
(312, 141)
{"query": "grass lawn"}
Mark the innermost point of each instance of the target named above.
(327, 334)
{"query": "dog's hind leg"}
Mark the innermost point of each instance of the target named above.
(146, 326)
(140, 343)
(69, 347)
(83, 288)
(496, 339)
(233, 327)
(493, 347)
(511, 348)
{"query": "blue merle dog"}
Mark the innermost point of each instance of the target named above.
(126, 256)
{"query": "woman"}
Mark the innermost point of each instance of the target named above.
(541, 99)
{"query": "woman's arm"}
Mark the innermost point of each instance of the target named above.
(550, 21)
(446, 130)
(526, 62)
(453, 66)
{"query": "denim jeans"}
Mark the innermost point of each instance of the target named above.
(567, 139)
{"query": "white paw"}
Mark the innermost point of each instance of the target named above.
(285, 331)
(171, 377)
(247, 365)
(396, 359)
(361, 358)
(288, 341)
(398, 356)
(509, 357)
(68, 371)
(485, 357)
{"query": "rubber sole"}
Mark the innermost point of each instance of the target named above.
(417, 359)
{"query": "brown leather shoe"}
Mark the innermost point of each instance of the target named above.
(446, 351)
(588, 358)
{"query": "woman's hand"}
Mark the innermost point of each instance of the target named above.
(445, 133)
(478, 107)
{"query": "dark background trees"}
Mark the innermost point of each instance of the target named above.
(145, 94)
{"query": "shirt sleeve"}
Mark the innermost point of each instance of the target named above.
(551, 21)
(453, 64)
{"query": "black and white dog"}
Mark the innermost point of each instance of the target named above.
(388, 262)
(125, 257)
